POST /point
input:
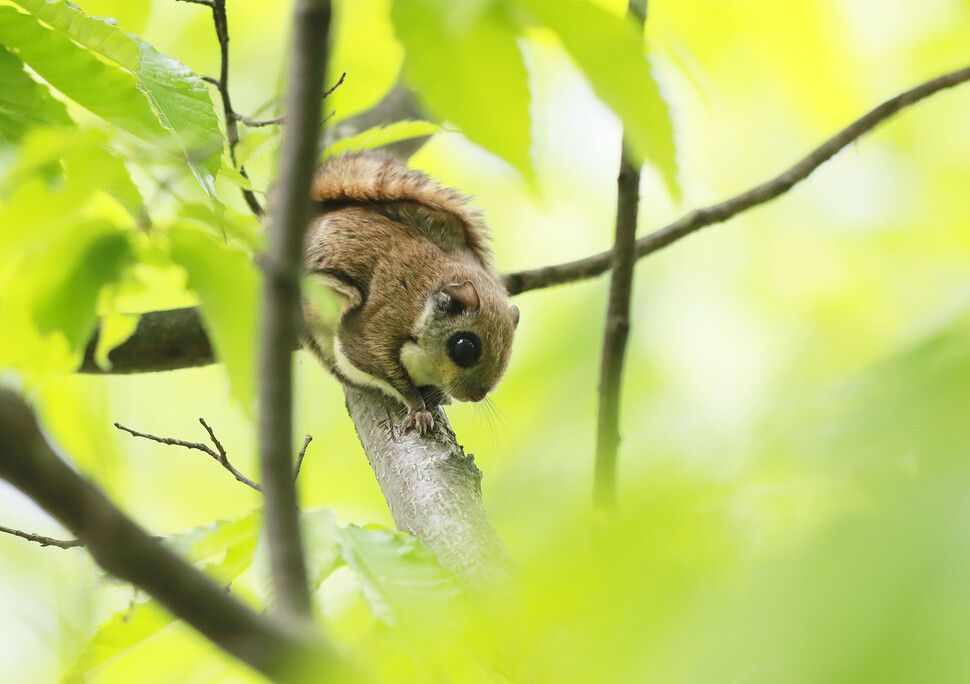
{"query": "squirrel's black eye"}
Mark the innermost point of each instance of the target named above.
(464, 348)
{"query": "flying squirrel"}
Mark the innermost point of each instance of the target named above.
(423, 315)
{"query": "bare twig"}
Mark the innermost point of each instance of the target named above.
(221, 458)
(42, 540)
(329, 91)
(615, 335)
(221, 22)
(617, 328)
(125, 550)
(593, 266)
(257, 123)
(281, 264)
(299, 457)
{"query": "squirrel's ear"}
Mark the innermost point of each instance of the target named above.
(514, 310)
(461, 297)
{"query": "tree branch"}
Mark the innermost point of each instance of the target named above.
(221, 457)
(432, 489)
(125, 550)
(617, 328)
(42, 540)
(592, 266)
(281, 265)
(300, 456)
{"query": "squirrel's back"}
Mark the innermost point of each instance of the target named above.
(403, 195)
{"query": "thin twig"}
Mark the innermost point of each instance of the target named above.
(617, 328)
(125, 550)
(42, 540)
(593, 266)
(340, 81)
(219, 457)
(299, 457)
(281, 264)
(257, 123)
(222, 85)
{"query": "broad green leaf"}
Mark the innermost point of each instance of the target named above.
(113, 330)
(609, 50)
(227, 283)
(84, 167)
(95, 34)
(378, 136)
(122, 632)
(321, 541)
(402, 581)
(106, 89)
(201, 543)
(179, 100)
(24, 103)
(481, 84)
(182, 102)
(68, 303)
(129, 629)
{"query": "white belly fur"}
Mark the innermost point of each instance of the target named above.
(359, 377)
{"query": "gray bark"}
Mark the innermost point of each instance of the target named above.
(432, 488)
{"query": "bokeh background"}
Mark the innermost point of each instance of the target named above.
(794, 465)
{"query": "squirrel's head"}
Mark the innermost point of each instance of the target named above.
(462, 342)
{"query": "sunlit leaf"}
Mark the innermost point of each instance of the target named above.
(68, 303)
(113, 330)
(402, 581)
(481, 86)
(106, 89)
(24, 103)
(609, 51)
(177, 99)
(128, 629)
(226, 281)
(382, 135)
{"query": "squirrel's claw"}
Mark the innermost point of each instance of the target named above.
(420, 420)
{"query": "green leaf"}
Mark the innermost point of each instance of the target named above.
(84, 164)
(122, 632)
(130, 628)
(227, 284)
(201, 543)
(138, 89)
(402, 581)
(113, 330)
(322, 543)
(378, 136)
(609, 50)
(184, 106)
(24, 103)
(75, 273)
(466, 66)
(104, 88)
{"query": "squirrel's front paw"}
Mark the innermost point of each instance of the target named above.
(422, 421)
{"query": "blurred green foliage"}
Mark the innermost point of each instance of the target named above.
(795, 455)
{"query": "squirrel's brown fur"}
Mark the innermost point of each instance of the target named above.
(409, 262)
(371, 178)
